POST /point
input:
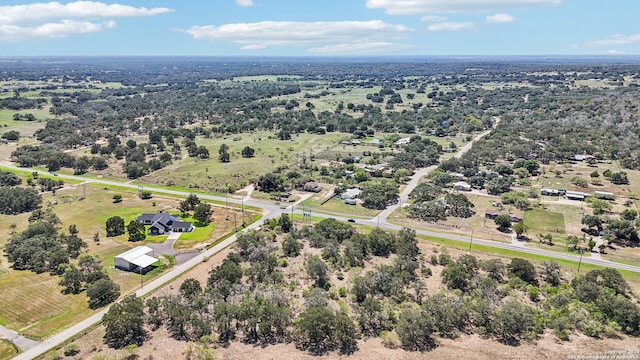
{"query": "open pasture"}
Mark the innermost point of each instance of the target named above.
(270, 153)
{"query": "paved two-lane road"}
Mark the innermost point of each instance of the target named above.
(78, 328)
(271, 210)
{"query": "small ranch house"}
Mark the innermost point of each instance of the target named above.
(350, 194)
(163, 222)
(402, 142)
(462, 186)
(312, 186)
(138, 258)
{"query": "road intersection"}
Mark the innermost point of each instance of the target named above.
(271, 210)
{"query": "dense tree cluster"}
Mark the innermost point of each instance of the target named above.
(432, 203)
(8, 178)
(248, 296)
(41, 246)
(16, 200)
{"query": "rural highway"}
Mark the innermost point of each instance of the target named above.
(269, 211)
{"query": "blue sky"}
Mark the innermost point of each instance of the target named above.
(319, 27)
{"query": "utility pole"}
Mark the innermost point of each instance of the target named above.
(580, 261)
(242, 211)
(141, 283)
(235, 223)
(470, 240)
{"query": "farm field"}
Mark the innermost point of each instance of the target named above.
(48, 310)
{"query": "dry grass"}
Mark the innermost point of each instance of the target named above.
(33, 303)
(7, 350)
(161, 346)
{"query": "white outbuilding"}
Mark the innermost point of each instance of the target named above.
(137, 258)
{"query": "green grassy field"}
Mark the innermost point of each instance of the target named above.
(211, 174)
(546, 222)
(34, 305)
(198, 235)
(338, 206)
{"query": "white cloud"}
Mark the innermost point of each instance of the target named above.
(55, 30)
(322, 36)
(53, 20)
(42, 12)
(450, 26)
(245, 3)
(360, 48)
(253, 47)
(408, 7)
(500, 18)
(618, 39)
(614, 52)
(433, 18)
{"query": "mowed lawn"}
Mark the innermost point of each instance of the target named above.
(545, 222)
(338, 206)
(33, 303)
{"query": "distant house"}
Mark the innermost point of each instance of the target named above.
(462, 186)
(137, 258)
(312, 186)
(376, 168)
(604, 195)
(579, 157)
(576, 195)
(163, 222)
(550, 192)
(351, 194)
(492, 214)
(375, 142)
(402, 142)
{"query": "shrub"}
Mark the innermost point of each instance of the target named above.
(534, 293)
(71, 350)
(390, 339)
(444, 259)
(426, 271)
